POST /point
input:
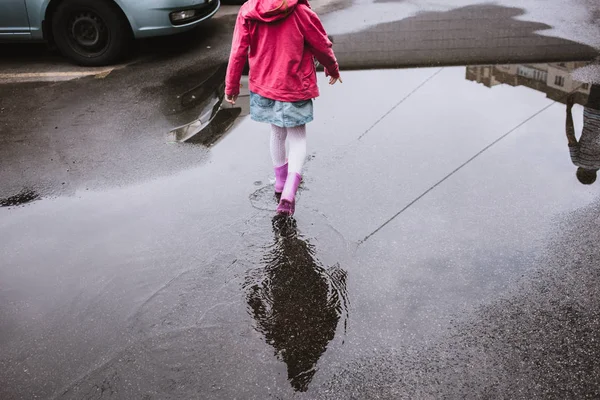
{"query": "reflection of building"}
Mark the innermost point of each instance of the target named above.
(553, 79)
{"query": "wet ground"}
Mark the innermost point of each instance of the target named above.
(468, 267)
(443, 246)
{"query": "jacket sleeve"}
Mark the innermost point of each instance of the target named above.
(237, 57)
(320, 45)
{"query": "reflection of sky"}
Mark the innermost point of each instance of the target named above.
(572, 22)
(106, 252)
(436, 129)
(473, 234)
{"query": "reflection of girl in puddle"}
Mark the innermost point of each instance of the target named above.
(585, 153)
(295, 302)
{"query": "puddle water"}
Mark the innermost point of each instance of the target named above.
(203, 105)
(461, 179)
(557, 81)
(296, 303)
(265, 198)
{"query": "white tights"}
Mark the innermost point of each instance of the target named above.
(296, 137)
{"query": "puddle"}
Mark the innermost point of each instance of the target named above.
(295, 302)
(560, 83)
(186, 286)
(555, 80)
(265, 198)
(213, 119)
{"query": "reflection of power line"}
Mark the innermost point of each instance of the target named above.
(462, 166)
(452, 173)
(400, 102)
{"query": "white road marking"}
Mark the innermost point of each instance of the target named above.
(56, 76)
(70, 74)
(50, 76)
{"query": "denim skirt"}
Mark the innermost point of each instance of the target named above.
(281, 113)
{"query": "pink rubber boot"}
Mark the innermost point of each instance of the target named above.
(280, 177)
(287, 204)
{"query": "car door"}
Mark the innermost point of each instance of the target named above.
(13, 18)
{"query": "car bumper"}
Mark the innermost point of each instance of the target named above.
(154, 18)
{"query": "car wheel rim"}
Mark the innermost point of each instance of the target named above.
(88, 34)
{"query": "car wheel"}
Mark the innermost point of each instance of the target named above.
(91, 32)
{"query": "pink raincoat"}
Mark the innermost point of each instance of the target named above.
(280, 39)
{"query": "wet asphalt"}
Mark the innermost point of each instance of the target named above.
(442, 247)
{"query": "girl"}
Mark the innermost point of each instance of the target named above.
(281, 39)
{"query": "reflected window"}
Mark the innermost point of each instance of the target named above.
(532, 73)
(559, 80)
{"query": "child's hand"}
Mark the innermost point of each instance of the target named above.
(333, 80)
(231, 99)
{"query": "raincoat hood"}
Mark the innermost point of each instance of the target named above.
(280, 40)
(270, 10)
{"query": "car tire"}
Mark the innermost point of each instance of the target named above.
(91, 32)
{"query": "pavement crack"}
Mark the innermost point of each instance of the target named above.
(400, 102)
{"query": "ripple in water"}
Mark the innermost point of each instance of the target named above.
(296, 302)
(265, 199)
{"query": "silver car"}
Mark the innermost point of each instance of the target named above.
(98, 32)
